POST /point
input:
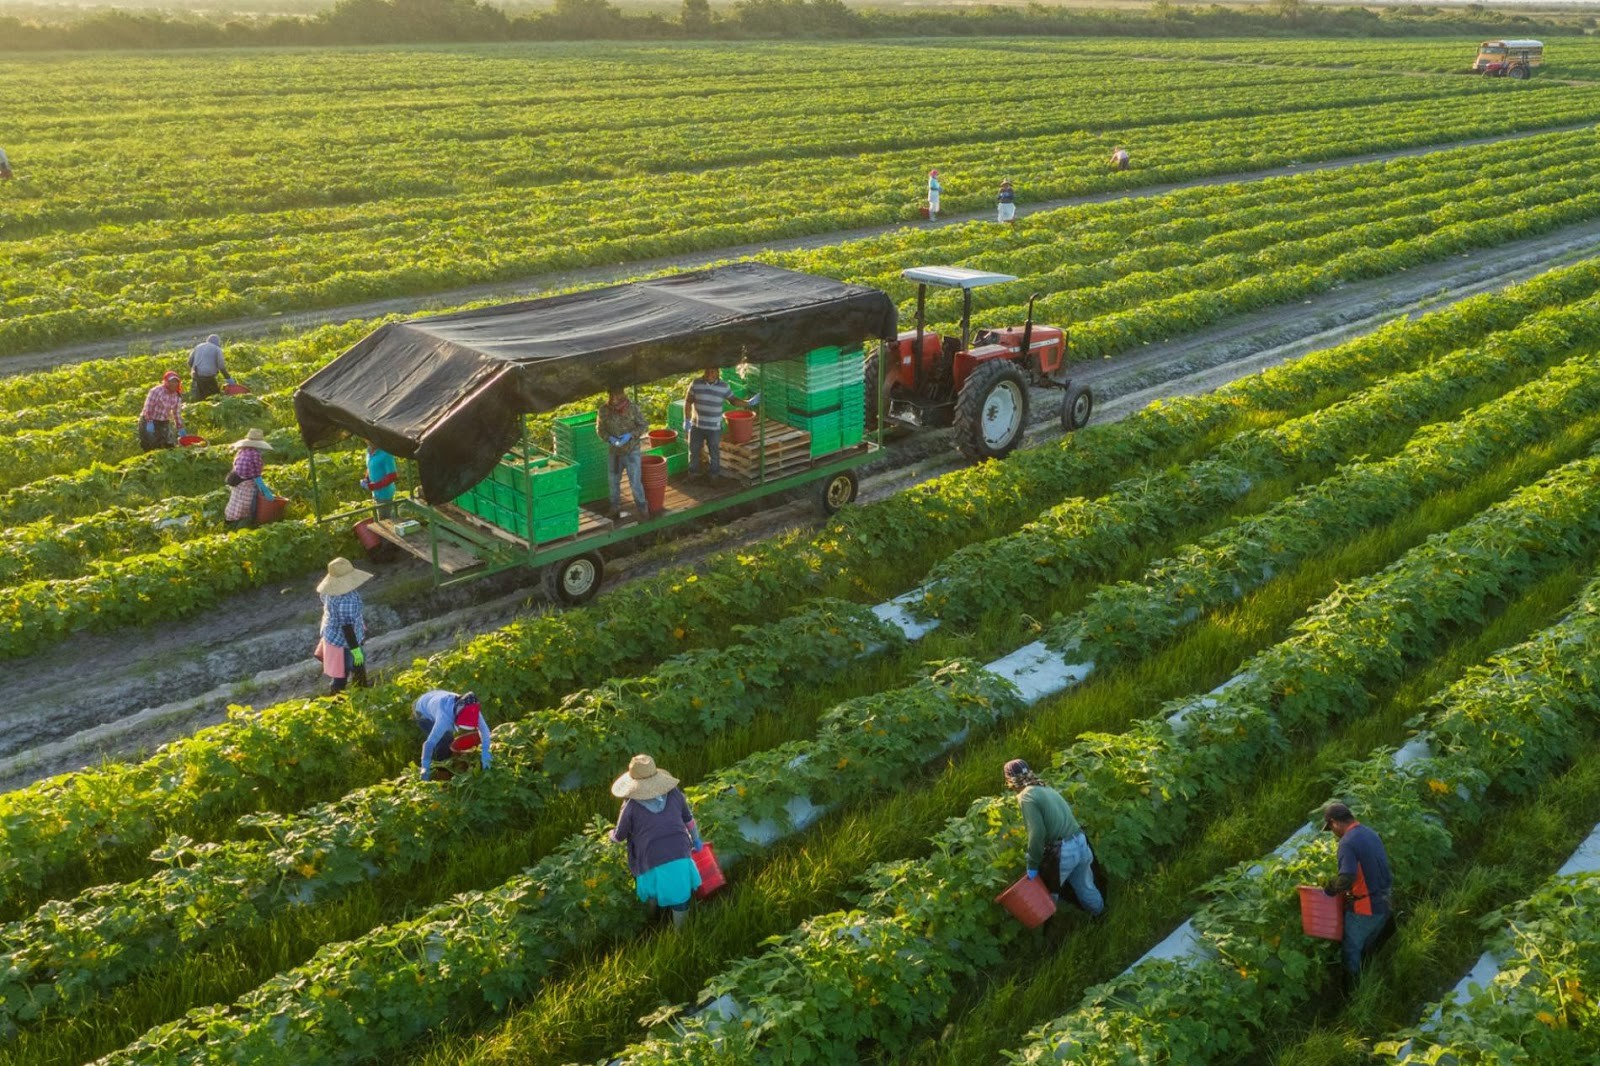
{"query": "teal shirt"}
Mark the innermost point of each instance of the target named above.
(381, 475)
(1048, 817)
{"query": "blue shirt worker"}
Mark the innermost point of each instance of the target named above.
(380, 480)
(702, 405)
(441, 716)
(1364, 875)
(206, 365)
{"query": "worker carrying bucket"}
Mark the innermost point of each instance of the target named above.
(1363, 878)
(1058, 851)
(665, 853)
(452, 724)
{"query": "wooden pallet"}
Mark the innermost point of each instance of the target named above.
(452, 557)
(784, 449)
(588, 522)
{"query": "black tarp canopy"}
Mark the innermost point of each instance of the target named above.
(450, 391)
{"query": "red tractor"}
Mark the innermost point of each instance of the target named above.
(979, 384)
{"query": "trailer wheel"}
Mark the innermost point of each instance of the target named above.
(837, 490)
(1076, 406)
(1519, 72)
(575, 580)
(992, 411)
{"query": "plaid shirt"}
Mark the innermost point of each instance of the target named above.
(248, 463)
(161, 404)
(339, 611)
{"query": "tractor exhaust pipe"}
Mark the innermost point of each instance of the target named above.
(1027, 329)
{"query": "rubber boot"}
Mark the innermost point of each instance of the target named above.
(679, 916)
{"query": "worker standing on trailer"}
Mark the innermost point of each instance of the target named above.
(622, 425)
(244, 481)
(344, 626)
(659, 829)
(161, 418)
(382, 475)
(1119, 158)
(442, 716)
(1007, 202)
(702, 406)
(1057, 847)
(934, 189)
(206, 366)
(1363, 874)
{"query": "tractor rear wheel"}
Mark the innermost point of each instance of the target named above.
(992, 411)
(1519, 72)
(1076, 405)
(576, 580)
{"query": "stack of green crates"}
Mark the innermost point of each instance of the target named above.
(501, 499)
(824, 393)
(579, 444)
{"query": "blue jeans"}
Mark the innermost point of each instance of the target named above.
(712, 439)
(1077, 870)
(633, 463)
(1359, 929)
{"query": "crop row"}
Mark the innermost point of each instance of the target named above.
(70, 950)
(126, 809)
(1538, 1005)
(366, 251)
(1052, 551)
(924, 923)
(1501, 729)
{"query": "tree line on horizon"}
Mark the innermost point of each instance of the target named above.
(356, 22)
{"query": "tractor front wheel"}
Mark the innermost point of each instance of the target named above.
(1076, 405)
(992, 411)
(576, 580)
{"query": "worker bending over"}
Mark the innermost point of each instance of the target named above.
(206, 366)
(1119, 158)
(1057, 847)
(441, 716)
(161, 418)
(1364, 875)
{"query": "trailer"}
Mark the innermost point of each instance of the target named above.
(454, 394)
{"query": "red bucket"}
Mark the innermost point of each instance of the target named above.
(1028, 901)
(270, 510)
(741, 426)
(234, 389)
(465, 742)
(661, 438)
(711, 879)
(189, 440)
(1321, 915)
(654, 471)
(369, 540)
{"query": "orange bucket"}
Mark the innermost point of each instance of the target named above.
(711, 879)
(661, 438)
(741, 426)
(1321, 915)
(1028, 901)
(270, 510)
(190, 440)
(369, 540)
(235, 389)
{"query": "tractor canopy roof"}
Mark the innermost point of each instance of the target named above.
(954, 277)
(450, 391)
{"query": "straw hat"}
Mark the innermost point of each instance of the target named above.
(342, 577)
(255, 438)
(643, 781)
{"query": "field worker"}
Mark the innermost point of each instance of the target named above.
(1056, 843)
(440, 714)
(380, 480)
(1119, 158)
(1364, 874)
(206, 366)
(244, 481)
(702, 404)
(934, 189)
(1007, 202)
(344, 626)
(161, 418)
(622, 426)
(5, 166)
(659, 829)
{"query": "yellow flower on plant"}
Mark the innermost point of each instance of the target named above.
(1438, 787)
(1547, 1018)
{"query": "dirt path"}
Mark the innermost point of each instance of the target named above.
(235, 329)
(100, 696)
